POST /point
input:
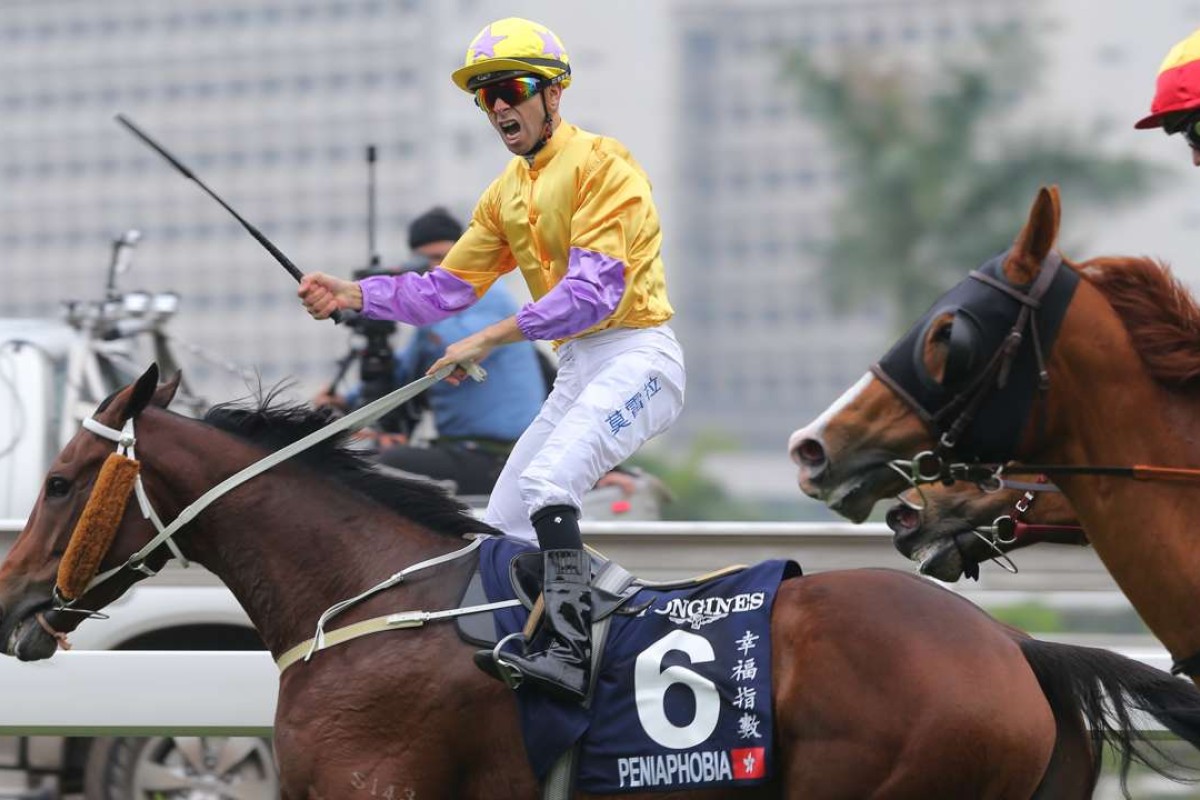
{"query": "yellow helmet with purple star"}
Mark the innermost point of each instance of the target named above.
(510, 47)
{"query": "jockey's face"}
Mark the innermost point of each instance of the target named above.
(521, 125)
(1187, 123)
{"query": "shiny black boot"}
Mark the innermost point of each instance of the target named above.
(564, 667)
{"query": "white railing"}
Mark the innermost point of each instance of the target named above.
(98, 693)
(667, 550)
(233, 693)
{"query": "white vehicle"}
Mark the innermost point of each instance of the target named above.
(53, 373)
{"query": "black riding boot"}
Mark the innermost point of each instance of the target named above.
(564, 667)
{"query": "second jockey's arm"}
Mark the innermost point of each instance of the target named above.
(476, 347)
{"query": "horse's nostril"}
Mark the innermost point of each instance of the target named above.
(903, 519)
(810, 453)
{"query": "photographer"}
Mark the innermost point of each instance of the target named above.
(477, 423)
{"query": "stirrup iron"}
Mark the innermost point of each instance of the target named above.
(508, 671)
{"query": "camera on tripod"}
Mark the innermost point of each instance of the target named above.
(375, 355)
(372, 346)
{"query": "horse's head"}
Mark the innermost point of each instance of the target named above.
(950, 530)
(80, 518)
(963, 379)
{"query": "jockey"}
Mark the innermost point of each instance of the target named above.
(1176, 104)
(573, 211)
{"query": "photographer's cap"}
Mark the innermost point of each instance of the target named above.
(435, 225)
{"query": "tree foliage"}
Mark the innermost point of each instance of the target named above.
(937, 171)
(696, 495)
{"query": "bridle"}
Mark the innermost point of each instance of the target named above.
(125, 440)
(944, 464)
(954, 417)
(1010, 531)
(981, 409)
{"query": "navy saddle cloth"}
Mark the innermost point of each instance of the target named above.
(682, 699)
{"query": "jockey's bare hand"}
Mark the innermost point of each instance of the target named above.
(476, 347)
(324, 294)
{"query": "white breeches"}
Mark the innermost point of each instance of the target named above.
(615, 390)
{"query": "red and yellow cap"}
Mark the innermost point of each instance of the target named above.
(1178, 83)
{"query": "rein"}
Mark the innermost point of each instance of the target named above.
(931, 466)
(126, 439)
(1011, 529)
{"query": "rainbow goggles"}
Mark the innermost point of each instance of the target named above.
(512, 91)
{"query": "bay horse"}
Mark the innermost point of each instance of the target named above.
(884, 685)
(949, 530)
(1111, 405)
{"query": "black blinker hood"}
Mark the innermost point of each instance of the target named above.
(984, 316)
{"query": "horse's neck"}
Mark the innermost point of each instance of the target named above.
(290, 545)
(1114, 413)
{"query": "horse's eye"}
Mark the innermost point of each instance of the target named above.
(57, 486)
(941, 334)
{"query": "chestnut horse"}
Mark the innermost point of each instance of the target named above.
(1112, 413)
(884, 685)
(949, 530)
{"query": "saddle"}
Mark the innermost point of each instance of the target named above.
(723, 615)
(613, 587)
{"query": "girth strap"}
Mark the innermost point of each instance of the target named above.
(390, 622)
(613, 579)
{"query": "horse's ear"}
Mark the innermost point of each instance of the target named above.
(165, 393)
(143, 392)
(1036, 239)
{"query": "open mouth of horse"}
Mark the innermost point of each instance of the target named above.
(22, 634)
(940, 559)
(855, 496)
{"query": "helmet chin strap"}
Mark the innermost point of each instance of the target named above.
(547, 130)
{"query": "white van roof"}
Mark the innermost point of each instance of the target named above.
(52, 336)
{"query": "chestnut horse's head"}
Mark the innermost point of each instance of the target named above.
(31, 611)
(964, 379)
(950, 530)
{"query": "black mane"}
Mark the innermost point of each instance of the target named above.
(275, 426)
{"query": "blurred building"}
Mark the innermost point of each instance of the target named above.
(757, 183)
(273, 103)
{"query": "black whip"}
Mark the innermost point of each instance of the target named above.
(286, 262)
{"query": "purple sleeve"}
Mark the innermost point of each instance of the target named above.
(415, 298)
(589, 292)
